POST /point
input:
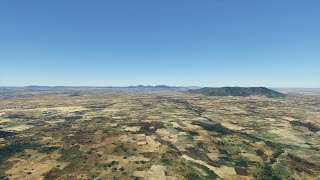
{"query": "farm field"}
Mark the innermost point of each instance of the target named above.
(167, 134)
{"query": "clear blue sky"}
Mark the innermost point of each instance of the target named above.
(273, 43)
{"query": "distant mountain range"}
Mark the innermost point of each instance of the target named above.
(138, 87)
(151, 87)
(161, 87)
(238, 91)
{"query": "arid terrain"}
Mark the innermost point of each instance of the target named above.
(146, 134)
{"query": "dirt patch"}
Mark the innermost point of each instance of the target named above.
(35, 166)
(252, 157)
(132, 128)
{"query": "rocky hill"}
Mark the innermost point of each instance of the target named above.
(238, 91)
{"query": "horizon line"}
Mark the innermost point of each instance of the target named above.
(125, 86)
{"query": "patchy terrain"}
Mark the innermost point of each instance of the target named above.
(145, 134)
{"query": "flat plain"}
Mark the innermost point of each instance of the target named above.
(131, 134)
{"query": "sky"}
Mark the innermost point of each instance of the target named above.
(274, 43)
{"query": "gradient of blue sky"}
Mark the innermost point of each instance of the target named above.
(274, 43)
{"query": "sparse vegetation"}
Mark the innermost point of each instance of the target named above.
(133, 134)
(312, 127)
(11, 149)
(165, 160)
(267, 173)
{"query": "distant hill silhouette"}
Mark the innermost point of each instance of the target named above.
(160, 87)
(151, 87)
(237, 91)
